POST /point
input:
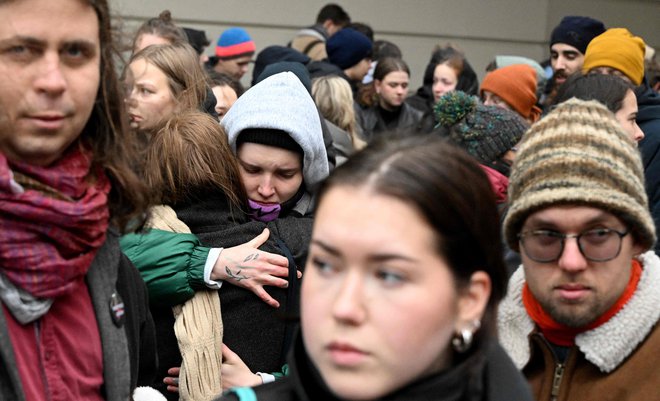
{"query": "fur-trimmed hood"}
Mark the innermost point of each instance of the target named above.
(606, 346)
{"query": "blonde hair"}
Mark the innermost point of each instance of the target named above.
(191, 154)
(334, 98)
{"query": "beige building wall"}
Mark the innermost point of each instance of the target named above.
(482, 28)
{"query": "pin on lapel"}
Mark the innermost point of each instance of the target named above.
(117, 309)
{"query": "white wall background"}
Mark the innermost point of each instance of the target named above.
(482, 28)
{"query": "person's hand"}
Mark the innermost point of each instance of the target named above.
(248, 267)
(172, 380)
(235, 372)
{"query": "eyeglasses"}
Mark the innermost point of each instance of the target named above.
(598, 245)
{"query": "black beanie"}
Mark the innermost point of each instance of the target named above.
(577, 32)
(269, 137)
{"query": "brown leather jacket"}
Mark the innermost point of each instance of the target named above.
(615, 361)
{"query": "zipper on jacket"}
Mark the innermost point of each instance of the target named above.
(556, 381)
(560, 367)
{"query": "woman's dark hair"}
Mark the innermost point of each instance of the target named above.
(364, 29)
(106, 132)
(609, 90)
(385, 48)
(220, 79)
(367, 96)
(455, 58)
(334, 13)
(467, 80)
(389, 64)
(452, 194)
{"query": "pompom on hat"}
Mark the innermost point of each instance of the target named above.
(619, 49)
(486, 132)
(234, 42)
(516, 85)
(578, 155)
(347, 47)
(576, 31)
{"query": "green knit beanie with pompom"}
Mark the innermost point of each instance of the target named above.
(486, 132)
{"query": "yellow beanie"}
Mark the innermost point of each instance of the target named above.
(619, 49)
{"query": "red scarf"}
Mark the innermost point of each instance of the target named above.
(52, 229)
(499, 182)
(564, 336)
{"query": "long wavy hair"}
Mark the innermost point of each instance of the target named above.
(113, 146)
(185, 76)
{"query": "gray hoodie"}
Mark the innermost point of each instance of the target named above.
(282, 102)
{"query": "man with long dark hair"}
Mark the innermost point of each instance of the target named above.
(75, 323)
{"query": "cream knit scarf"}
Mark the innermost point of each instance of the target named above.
(198, 328)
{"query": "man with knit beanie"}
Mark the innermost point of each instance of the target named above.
(568, 43)
(514, 88)
(581, 314)
(233, 53)
(618, 52)
(349, 56)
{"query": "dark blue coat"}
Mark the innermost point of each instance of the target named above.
(648, 119)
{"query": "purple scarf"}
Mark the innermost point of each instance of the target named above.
(264, 211)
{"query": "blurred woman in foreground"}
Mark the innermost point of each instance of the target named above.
(404, 274)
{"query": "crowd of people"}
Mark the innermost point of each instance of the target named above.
(327, 233)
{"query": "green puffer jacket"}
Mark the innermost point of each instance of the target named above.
(159, 256)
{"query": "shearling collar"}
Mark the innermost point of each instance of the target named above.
(606, 346)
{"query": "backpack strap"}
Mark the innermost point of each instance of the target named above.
(310, 46)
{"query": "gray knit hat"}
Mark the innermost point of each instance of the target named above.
(486, 132)
(578, 154)
(281, 104)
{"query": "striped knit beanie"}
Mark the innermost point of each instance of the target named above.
(578, 154)
(234, 42)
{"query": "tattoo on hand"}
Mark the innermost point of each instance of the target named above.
(253, 256)
(236, 276)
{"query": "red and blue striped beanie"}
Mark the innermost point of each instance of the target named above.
(234, 42)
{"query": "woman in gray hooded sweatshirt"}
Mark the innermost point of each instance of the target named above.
(274, 130)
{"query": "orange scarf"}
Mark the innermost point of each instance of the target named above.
(562, 335)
